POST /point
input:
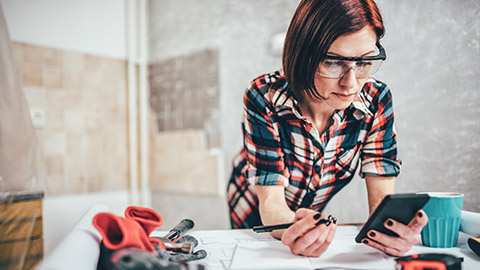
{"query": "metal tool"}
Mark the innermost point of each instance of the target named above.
(181, 228)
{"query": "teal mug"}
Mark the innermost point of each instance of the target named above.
(444, 211)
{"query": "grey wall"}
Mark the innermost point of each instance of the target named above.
(433, 69)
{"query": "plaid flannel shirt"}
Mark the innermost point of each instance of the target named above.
(281, 147)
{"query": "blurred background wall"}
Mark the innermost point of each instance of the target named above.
(202, 55)
(71, 59)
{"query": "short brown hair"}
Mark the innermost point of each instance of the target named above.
(315, 25)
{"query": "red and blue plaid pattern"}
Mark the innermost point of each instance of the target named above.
(283, 148)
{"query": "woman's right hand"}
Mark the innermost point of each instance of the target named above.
(306, 237)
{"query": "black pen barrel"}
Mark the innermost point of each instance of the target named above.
(269, 228)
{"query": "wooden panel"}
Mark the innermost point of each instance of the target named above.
(20, 229)
(20, 210)
(20, 249)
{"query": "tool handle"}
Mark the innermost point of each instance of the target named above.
(181, 228)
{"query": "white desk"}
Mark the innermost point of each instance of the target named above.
(225, 246)
(262, 251)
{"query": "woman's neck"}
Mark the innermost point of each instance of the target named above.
(318, 112)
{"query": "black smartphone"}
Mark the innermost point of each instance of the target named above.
(399, 207)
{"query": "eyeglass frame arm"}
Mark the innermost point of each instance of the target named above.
(380, 56)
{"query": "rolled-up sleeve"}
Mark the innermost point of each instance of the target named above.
(379, 154)
(265, 163)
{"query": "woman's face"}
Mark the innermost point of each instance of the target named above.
(340, 92)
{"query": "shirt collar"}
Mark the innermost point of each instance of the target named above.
(283, 97)
(360, 104)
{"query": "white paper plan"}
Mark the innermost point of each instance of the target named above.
(342, 253)
(245, 249)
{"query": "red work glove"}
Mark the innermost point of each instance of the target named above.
(118, 232)
(148, 218)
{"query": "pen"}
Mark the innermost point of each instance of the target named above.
(269, 228)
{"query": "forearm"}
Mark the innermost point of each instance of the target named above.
(273, 208)
(378, 188)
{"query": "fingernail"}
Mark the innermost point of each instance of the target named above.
(365, 241)
(330, 217)
(335, 220)
(372, 234)
(420, 214)
(317, 216)
(321, 221)
(328, 223)
(389, 223)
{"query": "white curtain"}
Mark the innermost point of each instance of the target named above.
(20, 165)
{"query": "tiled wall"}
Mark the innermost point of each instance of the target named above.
(183, 164)
(84, 142)
(184, 98)
(184, 93)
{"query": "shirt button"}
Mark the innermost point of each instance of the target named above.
(317, 169)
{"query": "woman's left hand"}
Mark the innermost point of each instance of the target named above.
(407, 235)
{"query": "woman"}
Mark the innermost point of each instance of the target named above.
(307, 128)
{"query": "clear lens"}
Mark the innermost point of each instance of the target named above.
(334, 68)
(375, 66)
(337, 68)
